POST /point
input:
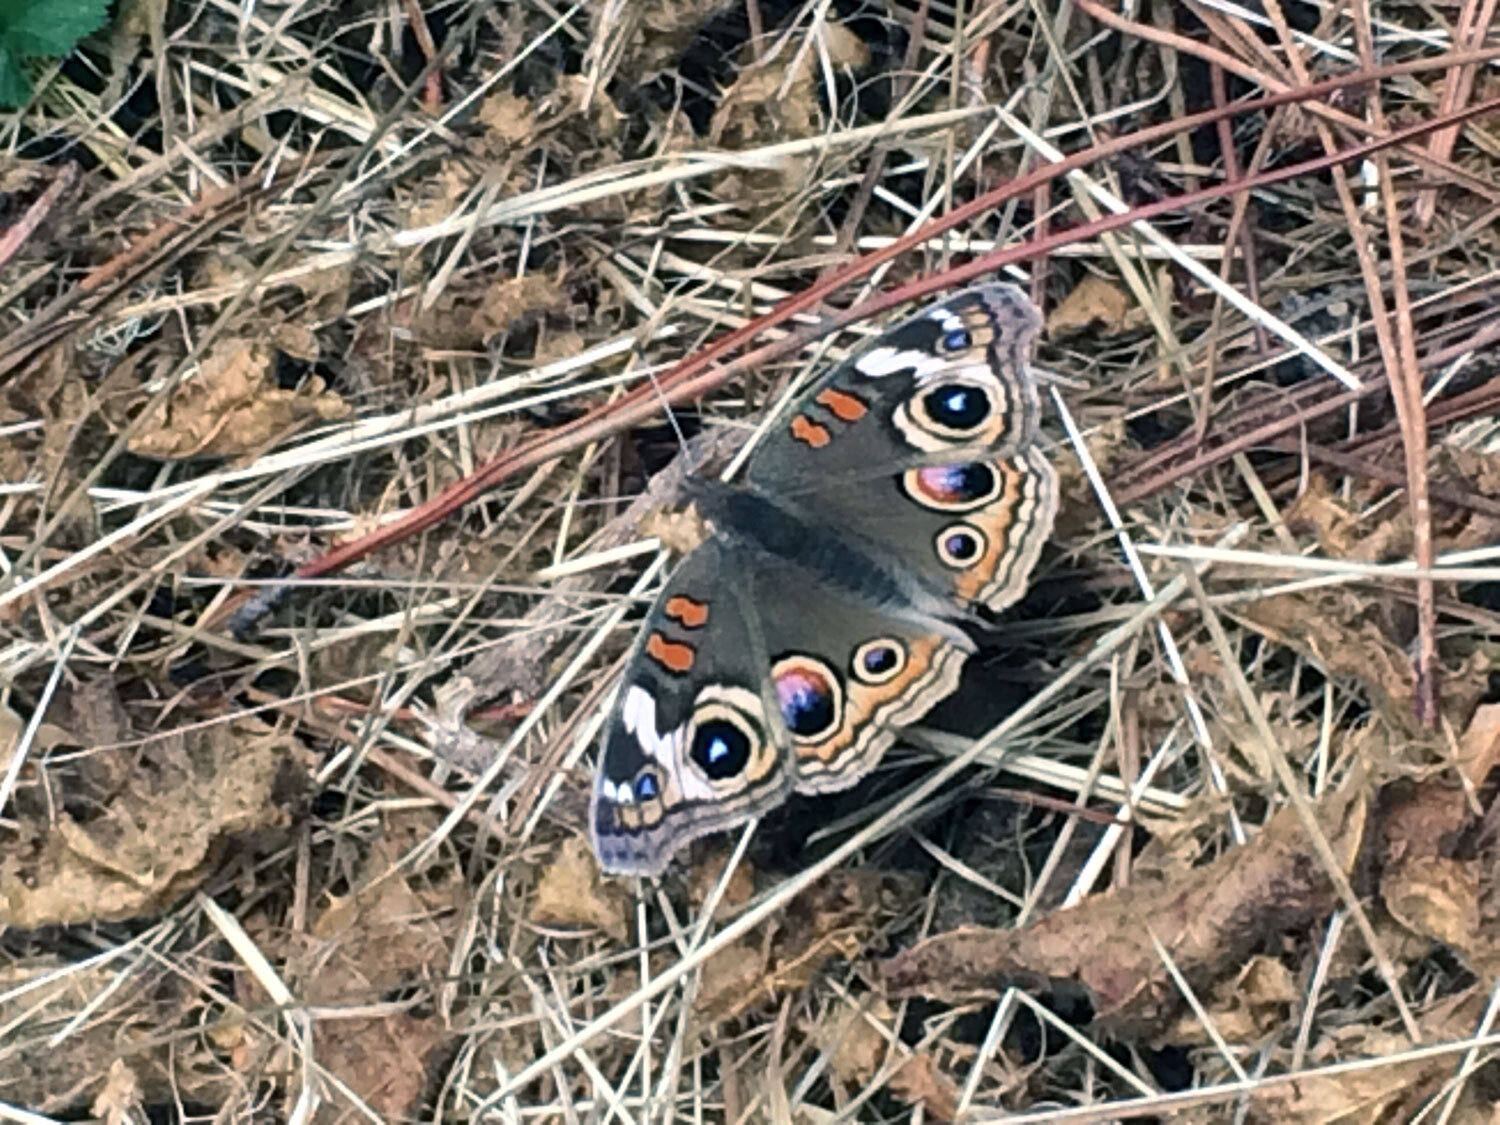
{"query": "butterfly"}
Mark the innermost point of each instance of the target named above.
(900, 493)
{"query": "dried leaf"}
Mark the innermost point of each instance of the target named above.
(655, 32)
(119, 1103)
(11, 726)
(777, 100)
(733, 980)
(832, 918)
(438, 194)
(47, 992)
(297, 341)
(553, 346)
(857, 1044)
(384, 936)
(1092, 300)
(708, 868)
(1437, 897)
(1396, 1090)
(1345, 534)
(1479, 749)
(154, 841)
(1253, 1004)
(385, 1061)
(1209, 918)
(508, 120)
(920, 1082)
(1333, 628)
(1426, 887)
(233, 406)
(508, 300)
(571, 892)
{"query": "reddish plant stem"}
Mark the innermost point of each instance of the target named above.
(1161, 469)
(1328, 113)
(1471, 27)
(23, 228)
(432, 87)
(694, 376)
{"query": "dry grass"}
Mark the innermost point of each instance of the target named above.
(284, 283)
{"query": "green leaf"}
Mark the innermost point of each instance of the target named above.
(15, 88)
(48, 27)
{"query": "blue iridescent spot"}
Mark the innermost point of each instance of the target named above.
(961, 546)
(957, 340)
(808, 704)
(957, 407)
(956, 484)
(646, 788)
(879, 659)
(720, 749)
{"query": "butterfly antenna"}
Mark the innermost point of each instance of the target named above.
(682, 441)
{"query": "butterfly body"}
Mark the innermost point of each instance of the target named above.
(899, 495)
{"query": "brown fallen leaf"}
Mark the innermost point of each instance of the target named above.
(733, 980)
(554, 346)
(508, 300)
(1438, 897)
(508, 119)
(46, 992)
(833, 918)
(1210, 919)
(920, 1082)
(1397, 1090)
(232, 407)
(1479, 748)
(1438, 876)
(119, 1103)
(1335, 628)
(155, 840)
(777, 99)
(437, 195)
(384, 936)
(385, 1060)
(1093, 300)
(572, 892)
(1343, 533)
(652, 34)
(1253, 1004)
(298, 341)
(708, 866)
(858, 1048)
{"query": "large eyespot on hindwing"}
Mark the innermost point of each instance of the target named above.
(992, 549)
(809, 695)
(891, 681)
(952, 488)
